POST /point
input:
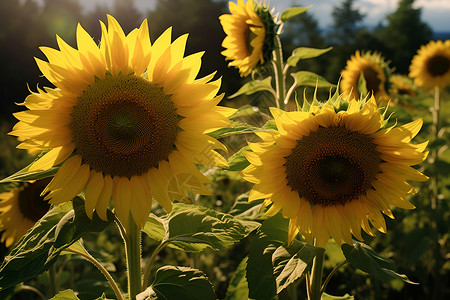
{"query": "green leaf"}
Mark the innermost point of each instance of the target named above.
(154, 228)
(364, 258)
(306, 78)
(65, 295)
(179, 283)
(238, 161)
(238, 287)
(292, 12)
(261, 279)
(233, 129)
(38, 249)
(245, 111)
(293, 262)
(193, 228)
(325, 296)
(254, 86)
(244, 210)
(305, 53)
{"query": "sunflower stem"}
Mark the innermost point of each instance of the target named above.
(53, 285)
(132, 241)
(325, 283)
(102, 269)
(150, 264)
(279, 74)
(316, 277)
(435, 150)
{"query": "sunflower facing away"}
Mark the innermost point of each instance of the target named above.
(375, 70)
(333, 169)
(430, 67)
(125, 119)
(250, 31)
(20, 209)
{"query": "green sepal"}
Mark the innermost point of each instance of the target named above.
(363, 257)
(291, 12)
(179, 283)
(305, 53)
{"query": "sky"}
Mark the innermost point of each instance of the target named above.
(434, 12)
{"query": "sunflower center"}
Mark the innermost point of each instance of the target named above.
(372, 80)
(31, 205)
(332, 165)
(124, 125)
(438, 65)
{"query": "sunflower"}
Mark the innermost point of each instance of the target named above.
(333, 168)
(430, 67)
(125, 118)
(20, 208)
(402, 85)
(250, 31)
(375, 71)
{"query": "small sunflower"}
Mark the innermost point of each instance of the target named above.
(250, 31)
(430, 67)
(402, 85)
(125, 118)
(375, 71)
(20, 208)
(333, 168)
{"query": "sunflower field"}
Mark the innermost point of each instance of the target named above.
(222, 150)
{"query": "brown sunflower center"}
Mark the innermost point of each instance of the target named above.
(31, 205)
(438, 65)
(332, 165)
(372, 80)
(124, 125)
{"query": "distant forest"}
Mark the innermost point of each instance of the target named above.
(25, 25)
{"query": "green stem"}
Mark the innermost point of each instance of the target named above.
(102, 269)
(133, 252)
(151, 262)
(53, 290)
(32, 289)
(316, 277)
(434, 151)
(279, 74)
(325, 283)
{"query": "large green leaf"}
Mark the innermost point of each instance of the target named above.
(238, 161)
(233, 129)
(244, 210)
(238, 287)
(364, 258)
(305, 53)
(193, 228)
(260, 277)
(293, 262)
(325, 296)
(292, 12)
(306, 78)
(38, 249)
(179, 283)
(254, 86)
(65, 295)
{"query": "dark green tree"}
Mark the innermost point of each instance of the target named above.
(198, 18)
(404, 34)
(347, 22)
